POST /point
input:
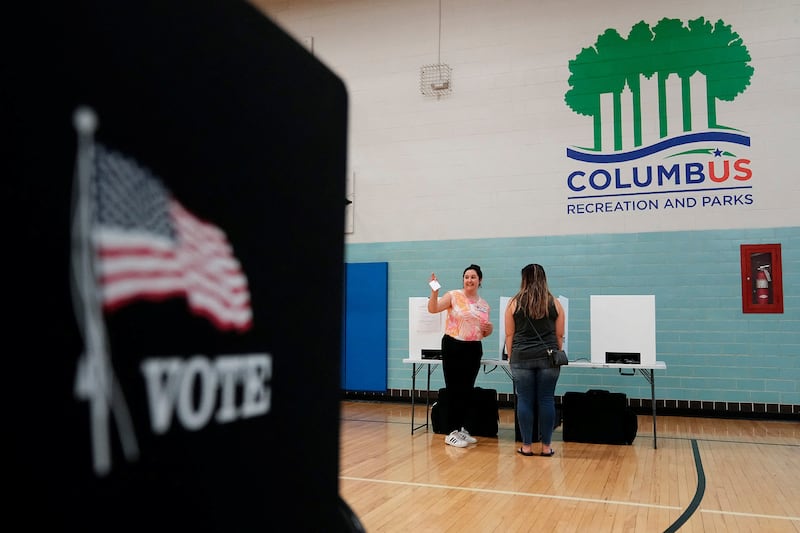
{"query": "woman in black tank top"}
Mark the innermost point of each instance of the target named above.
(534, 322)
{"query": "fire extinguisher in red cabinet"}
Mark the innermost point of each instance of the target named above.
(762, 284)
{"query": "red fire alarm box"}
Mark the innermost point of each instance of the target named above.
(762, 278)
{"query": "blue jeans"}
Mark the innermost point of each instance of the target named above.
(536, 388)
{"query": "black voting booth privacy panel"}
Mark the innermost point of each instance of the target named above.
(165, 378)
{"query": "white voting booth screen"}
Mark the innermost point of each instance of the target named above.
(425, 329)
(623, 324)
(502, 329)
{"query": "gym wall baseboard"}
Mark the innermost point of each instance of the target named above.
(642, 406)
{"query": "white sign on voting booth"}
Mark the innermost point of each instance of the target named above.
(425, 329)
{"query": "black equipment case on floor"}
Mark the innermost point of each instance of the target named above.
(538, 436)
(598, 416)
(482, 416)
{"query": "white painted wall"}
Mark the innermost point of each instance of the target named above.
(489, 159)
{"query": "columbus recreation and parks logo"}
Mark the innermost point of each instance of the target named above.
(658, 141)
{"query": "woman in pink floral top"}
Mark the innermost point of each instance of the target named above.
(462, 350)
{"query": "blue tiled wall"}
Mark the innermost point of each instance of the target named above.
(713, 351)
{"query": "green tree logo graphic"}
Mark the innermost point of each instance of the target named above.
(668, 48)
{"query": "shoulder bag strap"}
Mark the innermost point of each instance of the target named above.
(549, 350)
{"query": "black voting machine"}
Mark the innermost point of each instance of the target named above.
(170, 412)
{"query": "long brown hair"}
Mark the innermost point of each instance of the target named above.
(534, 295)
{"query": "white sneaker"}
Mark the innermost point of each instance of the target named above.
(454, 440)
(464, 435)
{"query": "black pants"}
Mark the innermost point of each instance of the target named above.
(461, 361)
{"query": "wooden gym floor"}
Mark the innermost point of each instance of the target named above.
(707, 475)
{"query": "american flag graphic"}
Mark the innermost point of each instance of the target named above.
(149, 247)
